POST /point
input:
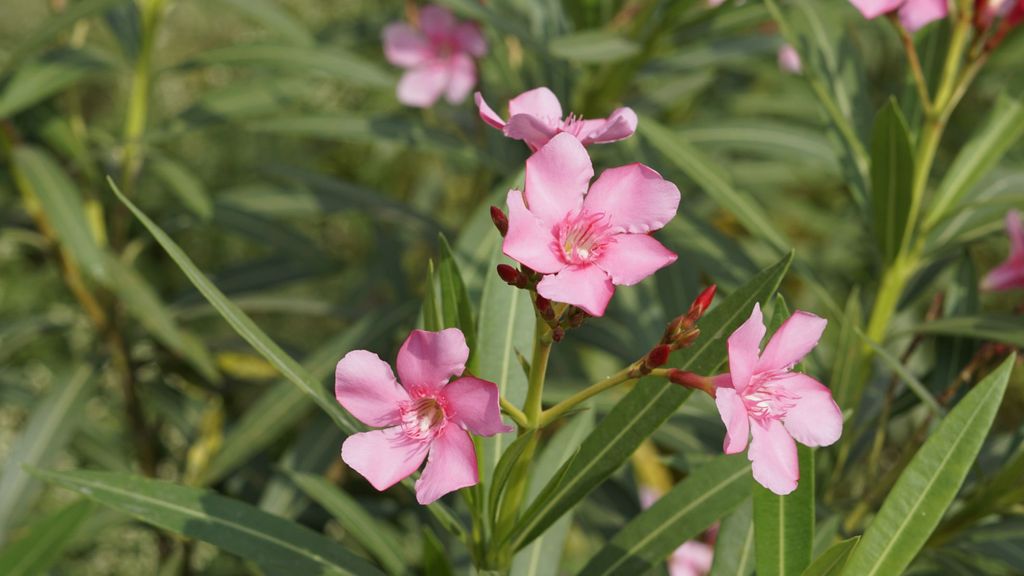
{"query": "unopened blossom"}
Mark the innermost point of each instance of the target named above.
(535, 117)
(437, 57)
(913, 14)
(761, 398)
(426, 417)
(789, 59)
(985, 11)
(691, 558)
(1009, 274)
(586, 243)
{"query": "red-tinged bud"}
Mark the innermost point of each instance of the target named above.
(702, 303)
(558, 333)
(577, 317)
(500, 220)
(511, 276)
(657, 356)
(692, 381)
(544, 307)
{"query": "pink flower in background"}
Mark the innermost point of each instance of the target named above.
(1009, 274)
(913, 13)
(693, 557)
(536, 116)
(587, 242)
(789, 59)
(426, 414)
(438, 57)
(762, 398)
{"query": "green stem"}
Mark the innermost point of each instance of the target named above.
(556, 411)
(517, 415)
(915, 64)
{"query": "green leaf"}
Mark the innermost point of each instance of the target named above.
(39, 79)
(994, 327)
(39, 176)
(56, 24)
(832, 561)
(677, 150)
(357, 522)
(986, 147)
(275, 17)
(244, 325)
(183, 184)
(504, 468)
(44, 437)
(930, 482)
(734, 546)
(456, 310)
(44, 541)
(706, 495)
(593, 47)
(234, 526)
(784, 525)
(335, 63)
(892, 179)
(847, 385)
(643, 410)
(435, 557)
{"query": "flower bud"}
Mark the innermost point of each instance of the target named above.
(544, 308)
(511, 276)
(657, 356)
(702, 303)
(557, 334)
(692, 381)
(500, 220)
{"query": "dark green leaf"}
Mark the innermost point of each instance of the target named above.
(734, 546)
(832, 561)
(892, 179)
(593, 47)
(39, 79)
(44, 541)
(784, 525)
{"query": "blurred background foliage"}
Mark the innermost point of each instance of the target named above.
(265, 138)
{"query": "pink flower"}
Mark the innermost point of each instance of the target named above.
(691, 558)
(585, 243)
(437, 57)
(913, 13)
(536, 116)
(789, 59)
(1009, 274)
(761, 397)
(425, 414)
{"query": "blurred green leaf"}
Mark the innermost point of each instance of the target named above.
(503, 470)
(236, 527)
(56, 24)
(892, 179)
(44, 437)
(643, 410)
(275, 17)
(44, 541)
(184, 184)
(832, 561)
(734, 546)
(41, 78)
(846, 382)
(930, 482)
(456, 309)
(784, 525)
(333, 62)
(993, 327)
(435, 558)
(593, 47)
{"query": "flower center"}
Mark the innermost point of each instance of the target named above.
(582, 236)
(765, 399)
(573, 124)
(422, 418)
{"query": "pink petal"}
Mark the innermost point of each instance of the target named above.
(1015, 230)
(587, 287)
(815, 419)
(451, 465)
(539, 102)
(486, 113)
(629, 258)
(556, 179)
(917, 13)
(437, 23)
(635, 198)
(366, 387)
(421, 86)
(405, 46)
(619, 126)
(692, 558)
(461, 78)
(789, 59)
(744, 345)
(427, 360)
(734, 415)
(875, 8)
(383, 457)
(1006, 276)
(773, 457)
(473, 404)
(797, 336)
(470, 40)
(530, 129)
(528, 241)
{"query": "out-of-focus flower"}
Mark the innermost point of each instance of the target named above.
(584, 242)
(693, 557)
(913, 13)
(762, 398)
(425, 414)
(438, 57)
(789, 59)
(535, 117)
(1009, 274)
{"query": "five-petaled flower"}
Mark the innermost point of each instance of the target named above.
(424, 414)
(1009, 274)
(762, 398)
(913, 13)
(587, 242)
(438, 57)
(535, 117)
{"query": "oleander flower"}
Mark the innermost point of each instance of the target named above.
(762, 398)
(535, 117)
(913, 14)
(1009, 274)
(586, 243)
(426, 417)
(438, 57)
(789, 59)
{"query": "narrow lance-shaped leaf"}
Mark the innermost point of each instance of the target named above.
(930, 482)
(44, 541)
(892, 179)
(832, 561)
(456, 310)
(734, 545)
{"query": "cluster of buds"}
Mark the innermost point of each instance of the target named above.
(996, 18)
(682, 331)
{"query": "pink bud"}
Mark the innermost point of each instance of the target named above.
(558, 333)
(702, 302)
(511, 276)
(500, 220)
